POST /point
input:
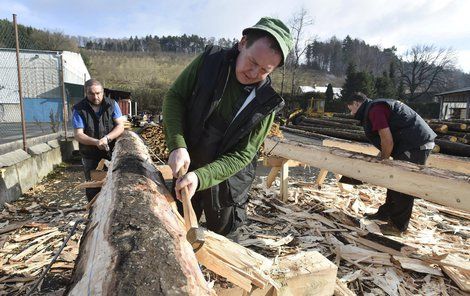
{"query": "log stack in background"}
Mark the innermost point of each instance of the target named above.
(154, 138)
(453, 137)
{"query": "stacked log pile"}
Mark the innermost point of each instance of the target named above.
(154, 138)
(453, 137)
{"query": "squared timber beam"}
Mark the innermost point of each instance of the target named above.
(440, 186)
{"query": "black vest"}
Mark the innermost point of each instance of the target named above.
(212, 78)
(96, 127)
(409, 130)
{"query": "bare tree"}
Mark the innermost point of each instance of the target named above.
(298, 22)
(423, 69)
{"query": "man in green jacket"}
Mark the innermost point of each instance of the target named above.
(217, 114)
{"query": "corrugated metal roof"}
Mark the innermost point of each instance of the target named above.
(465, 89)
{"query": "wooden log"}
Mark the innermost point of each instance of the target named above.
(345, 120)
(463, 140)
(452, 126)
(344, 134)
(439, 128)
(327, 122)
(305, 273)
(460, 134)
(457, 149)
(455, 126)
(439, 186)
(451, 163)
(448, 138)
(342, 115)
(316, 136)
(133, 243)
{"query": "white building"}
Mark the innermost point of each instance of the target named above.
(41, 83)
(455, 104)
(320, 89)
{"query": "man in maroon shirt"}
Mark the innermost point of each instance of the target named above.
(397, 131)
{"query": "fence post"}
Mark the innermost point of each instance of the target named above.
(20, 91)
(64, 96)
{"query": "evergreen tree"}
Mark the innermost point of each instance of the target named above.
(329, 93)
(349, 84)
(358, 82)
(384, 87)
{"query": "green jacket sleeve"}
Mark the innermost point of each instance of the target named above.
(174, 105)
(232, 162)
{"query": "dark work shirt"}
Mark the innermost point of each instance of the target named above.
(379, 117)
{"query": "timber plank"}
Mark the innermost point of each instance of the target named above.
(439, 186)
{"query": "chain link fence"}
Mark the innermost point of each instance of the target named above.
(32, 101)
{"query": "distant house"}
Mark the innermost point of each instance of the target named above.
(319, 89)
(455, 104)
(124, 101)
(41, 83)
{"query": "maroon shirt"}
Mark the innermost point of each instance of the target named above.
(379, 116)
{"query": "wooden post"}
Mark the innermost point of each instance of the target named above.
(20, 89)
(284, 181)
(65, 108)
(321, 177)
(272, 176)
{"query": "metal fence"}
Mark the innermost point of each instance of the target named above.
(33, 100)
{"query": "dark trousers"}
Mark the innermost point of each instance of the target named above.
(222, 221)
(90, 164)
(399, 206)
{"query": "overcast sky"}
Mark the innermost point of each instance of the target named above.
(403, 23)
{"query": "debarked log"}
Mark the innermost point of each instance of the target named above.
(133, 243)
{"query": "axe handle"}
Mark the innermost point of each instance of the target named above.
(190, 219)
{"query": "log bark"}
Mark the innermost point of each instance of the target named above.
(453, 126)
(311, 135)
(333, 132)
(133, 243)
(345, 120)
(438, 128)
(453, 148)
(327, 122)
(460, 134)
(343, 115)
(439, 186)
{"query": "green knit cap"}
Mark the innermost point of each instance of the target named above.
(278, 30)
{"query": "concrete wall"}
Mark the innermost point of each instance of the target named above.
(21, 171)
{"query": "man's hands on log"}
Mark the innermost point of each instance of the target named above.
(189, 180)
(179, 159)
(103, 143)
